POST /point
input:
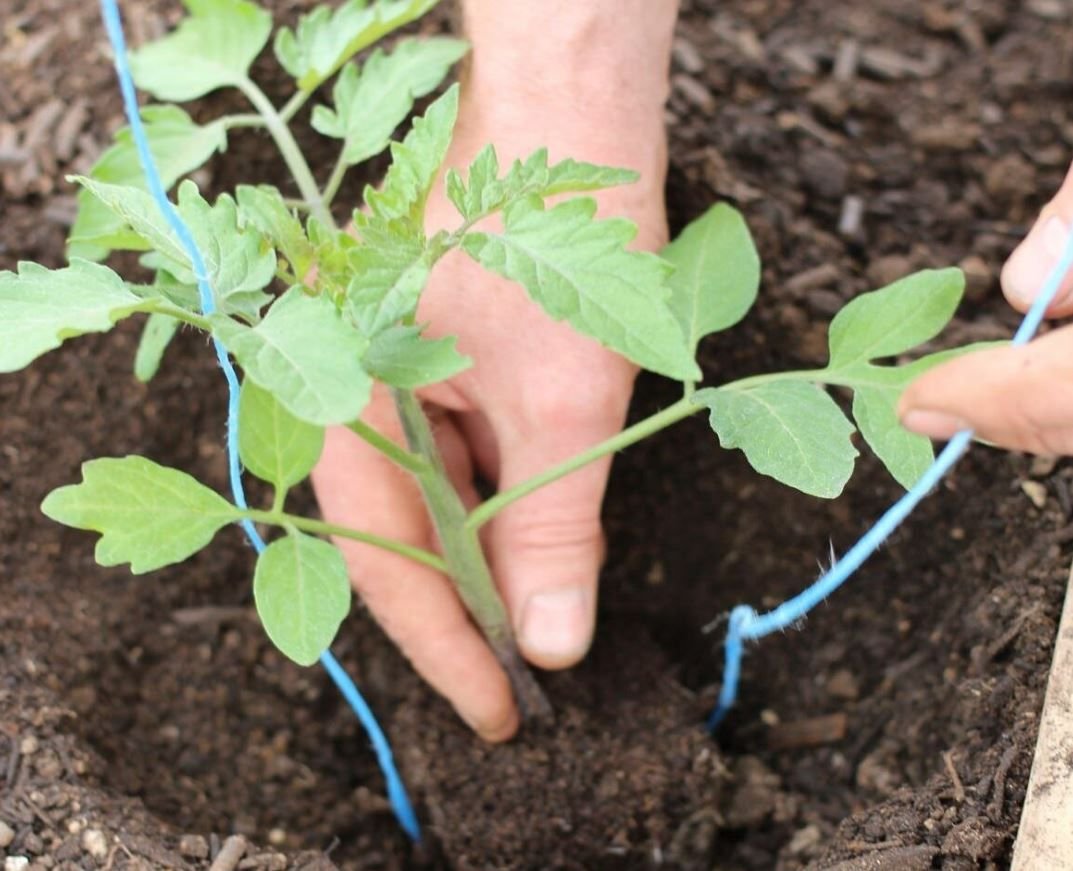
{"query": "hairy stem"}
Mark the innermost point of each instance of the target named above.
(642, 430)
(409, 461)
(319, 527)
(468, 568)
(288, 148)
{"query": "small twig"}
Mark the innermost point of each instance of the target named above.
(959, 788)
(998, 797)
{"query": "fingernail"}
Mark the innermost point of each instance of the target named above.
(933, 424)
(556, 626)
(1035, 259)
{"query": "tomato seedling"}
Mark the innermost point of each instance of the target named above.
(315, 314)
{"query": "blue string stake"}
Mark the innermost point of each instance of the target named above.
(400, 802)
(747, 625)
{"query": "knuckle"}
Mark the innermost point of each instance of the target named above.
(568, 532)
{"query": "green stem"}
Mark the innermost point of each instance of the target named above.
(642, 430)
(398, 455)
(319, 527)
(163, 307)
(468, 568)
(335, 180)
(230, 122)
(288, 148)
(294, 105)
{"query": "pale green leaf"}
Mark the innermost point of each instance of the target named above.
(898, 317)
(369, 105)
(148, 515)
(578, 269)
(790, 430)
(906, 455)
(275, 445)
(239, 262)
(263, 207)
(717, 273)
(178, 145)
(133, 206)
(302, 593)
(212, 48)
(325, 39)
(387, 284)
(484, 192)
(876, 391)
(42, 307)
(157, 334)
(415, 163)
(305, 355)
(400, 357)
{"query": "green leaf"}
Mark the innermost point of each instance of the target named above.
(369, 105)
(212, 48)
(898, 317)
(302, 593)
(415, 163)
(135, 208)
(325, 39)
(43, 307)
(578, 270)
(790, 430)
(717, 273)
(239, 262)
(305, 355)
(178, 145)
(148, 515)
(876, 391)
(387, 284)
(263, 208)
(273, 444)
(484, 192)
(157, 334)
(400, 357)
(906, 455)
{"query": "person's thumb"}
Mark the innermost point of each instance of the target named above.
(1035, 258)
(1016, 398)
(547, 548)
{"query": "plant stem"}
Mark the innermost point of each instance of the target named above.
(163, 307)
(335, 180)
(465, 558)
(484, 512)
(319, 527)
(294, 105)
(230, 122)
(288, 148)
(398, 455)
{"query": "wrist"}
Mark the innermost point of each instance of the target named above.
(606, 61)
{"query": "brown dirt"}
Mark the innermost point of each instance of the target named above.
(143, 720)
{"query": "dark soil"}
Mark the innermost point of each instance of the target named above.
(142, 720)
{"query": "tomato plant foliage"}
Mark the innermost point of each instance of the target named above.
(315, 315)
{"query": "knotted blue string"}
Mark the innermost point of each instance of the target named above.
(400, 802)
(747, 625)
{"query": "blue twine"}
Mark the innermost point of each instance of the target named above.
(400, 802)
(747, 625)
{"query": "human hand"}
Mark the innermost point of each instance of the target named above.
(538, 393)
(1018, 398)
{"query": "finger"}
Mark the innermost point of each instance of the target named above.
(1018, 398)
(481, 439)
(546, 549)
(358, 487)
(1036, 257)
